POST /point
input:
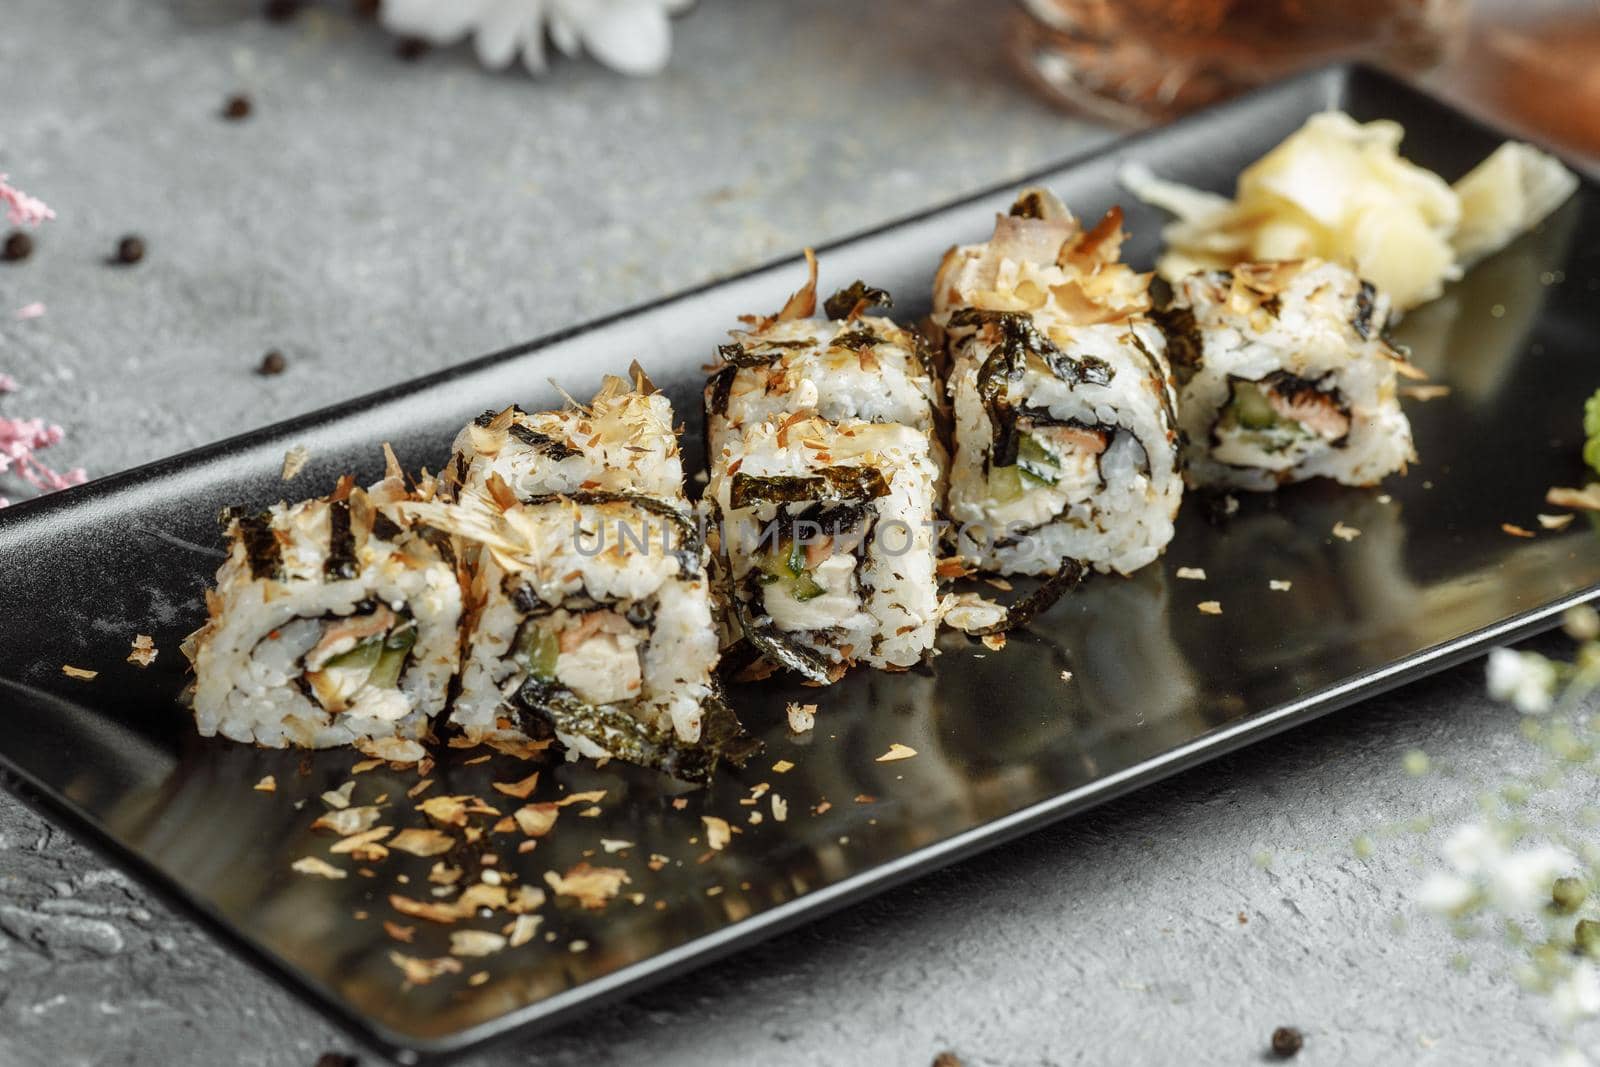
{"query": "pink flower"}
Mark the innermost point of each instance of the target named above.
(22, 209)
(20, 439)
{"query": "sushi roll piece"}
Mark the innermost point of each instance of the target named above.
(621, 441)
(1285, 375)
(845, 366)
(827, 531)
(1066, 428)
(334, 621)
(590, 616)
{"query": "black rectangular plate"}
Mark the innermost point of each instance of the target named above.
(1003, 743)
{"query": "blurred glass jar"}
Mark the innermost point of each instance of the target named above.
(1536, 68)
(1134, 62)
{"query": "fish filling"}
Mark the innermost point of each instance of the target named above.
(597, 655)
(1278, 422)
(1057, 465)
(357, 661)
(809, 582)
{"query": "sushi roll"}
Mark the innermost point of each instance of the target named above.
(1285, 375)
(621, 441)
(1066, 429)
(334, 621)
(846, 366)
(589, 613)
(590, 616)
(828, 531)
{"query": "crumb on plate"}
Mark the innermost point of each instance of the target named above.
(144, 651)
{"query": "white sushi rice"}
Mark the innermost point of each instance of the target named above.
(621, 441)
(885, 379)
(1313, 320)
(1106, 488)
(250, 657)
(876, 604)
(837, 376)
(1114, 511)
(568, 560)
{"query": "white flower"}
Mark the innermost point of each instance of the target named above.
(1577, 996)
(1526, 679)
(1446, 894)
(1510, 882)
(1472, 848)
(1520, 881)
(630, 36)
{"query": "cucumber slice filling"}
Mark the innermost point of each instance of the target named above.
(376, 661)
(1036, 465)
(1250, 414)
(790, 568)
(537, 652)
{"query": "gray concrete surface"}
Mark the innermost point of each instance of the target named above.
(375, 221)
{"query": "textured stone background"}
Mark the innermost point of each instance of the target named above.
(376, 221)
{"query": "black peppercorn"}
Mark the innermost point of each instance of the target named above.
(238, 107)
(1286, 1041)
(367, 9)
(335, 1059)
(130, 249)
(280, 10)
(18, 246)
(272, 363)
(411, 49)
